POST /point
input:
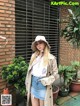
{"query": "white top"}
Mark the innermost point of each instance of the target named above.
(38, 69)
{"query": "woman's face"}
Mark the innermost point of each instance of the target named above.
(40, 45)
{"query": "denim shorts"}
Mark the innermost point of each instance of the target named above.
(38, 90)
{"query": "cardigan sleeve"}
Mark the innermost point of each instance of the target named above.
(53, 73)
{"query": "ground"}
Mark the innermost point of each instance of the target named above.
(73, 99)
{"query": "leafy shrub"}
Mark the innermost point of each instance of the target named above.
(15, 73)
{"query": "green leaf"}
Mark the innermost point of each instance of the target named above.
(15, 73)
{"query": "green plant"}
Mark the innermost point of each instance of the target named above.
(15, 73)
(76, 66)
(72, 31)
(67, 73)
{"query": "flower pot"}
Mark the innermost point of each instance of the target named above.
(55, 93)
(5, 91)
(64, 93)
(75, 86)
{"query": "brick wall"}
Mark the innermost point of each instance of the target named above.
(7, 29)
(67, 52)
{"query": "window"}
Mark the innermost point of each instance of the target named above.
(36, 17)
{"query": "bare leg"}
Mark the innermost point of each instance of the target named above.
(41, 102)
(34, 101)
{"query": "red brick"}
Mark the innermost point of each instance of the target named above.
(2, 25)
(2, 60)
(11, 29)
(9, 53)
(12, 8)
(8, 12)
(2, 18)
(3, 7)
(2, 53)
(1, 3)
(9, 26)
(8, 59)
(8, 19)
(11, 1)
(4, 15)
(8, 4)
(2, 11)
(6, 49)
(4, 63)
(3, 29)
(12, 16)
(9, 33)
(2, 32)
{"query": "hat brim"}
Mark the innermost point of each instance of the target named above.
(33, 46)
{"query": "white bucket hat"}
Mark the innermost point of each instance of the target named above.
(38, 38)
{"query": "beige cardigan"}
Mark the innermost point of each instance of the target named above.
(52, 70)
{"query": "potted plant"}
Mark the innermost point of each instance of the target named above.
(15, 74)
(67, 73)
(75, 84)
(72, 34)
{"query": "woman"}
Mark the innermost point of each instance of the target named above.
(41, 74)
